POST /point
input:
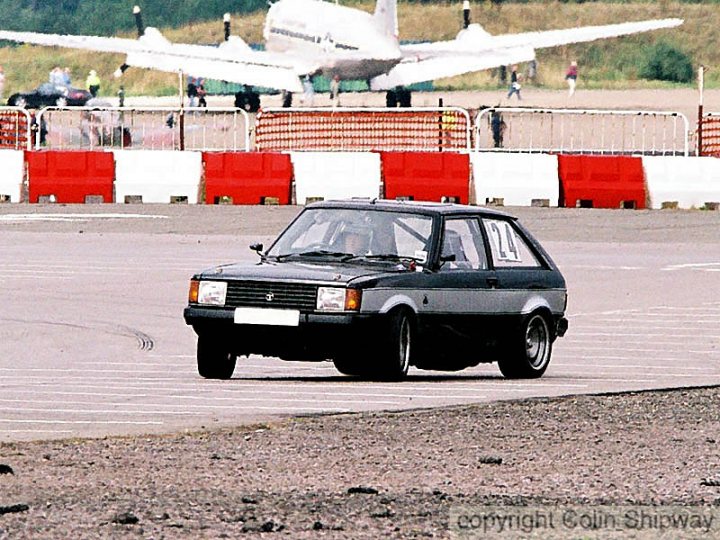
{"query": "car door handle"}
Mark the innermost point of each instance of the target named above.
(493, 282)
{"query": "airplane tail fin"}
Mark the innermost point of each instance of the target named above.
(385, 17)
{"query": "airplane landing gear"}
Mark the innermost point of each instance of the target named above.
(399, 97)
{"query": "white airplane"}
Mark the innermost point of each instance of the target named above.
(311, 37)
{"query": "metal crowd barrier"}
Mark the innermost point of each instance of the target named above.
(148, 128)
(16, 126)
(503, 129)
(518, 129)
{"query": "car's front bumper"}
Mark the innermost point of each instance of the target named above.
(194, 315)
(317, 336)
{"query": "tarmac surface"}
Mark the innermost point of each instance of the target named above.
(94, 342)
(684, 100)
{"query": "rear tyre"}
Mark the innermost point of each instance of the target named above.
(530, 350)
(214, 360)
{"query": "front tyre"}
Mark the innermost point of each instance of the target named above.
(530, 350)
(214, 361)
(352, 365)
(395, 352)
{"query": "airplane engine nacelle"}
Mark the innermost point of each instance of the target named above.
(153, 37)
(473, 34)
(235, 43)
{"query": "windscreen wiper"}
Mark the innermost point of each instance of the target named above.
(315, 253)
(393, 257)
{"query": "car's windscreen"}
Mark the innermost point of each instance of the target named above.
(353, 233)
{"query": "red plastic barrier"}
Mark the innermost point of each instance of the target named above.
(601, 182)
(247, 177)
(71, 176)
(426, 176)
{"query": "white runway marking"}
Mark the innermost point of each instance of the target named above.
(324, 399)
(20, 218)
(643, 335)
(567, 347)
(706, 267)
(633, 366)
(39, 431)
(80, 422)
(237, 384)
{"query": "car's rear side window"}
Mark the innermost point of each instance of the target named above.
(508, 248)
(463, 241)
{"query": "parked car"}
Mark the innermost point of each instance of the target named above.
(48, 95)
(378, 286)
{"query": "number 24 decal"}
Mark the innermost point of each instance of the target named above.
(503, 238)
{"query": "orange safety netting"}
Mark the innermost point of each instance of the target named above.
(13, 130)
(710, 137)
(362, 130)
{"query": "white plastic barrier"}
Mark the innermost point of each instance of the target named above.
(12, 167)
(157, 176)
(516, 179)
(335, 175)
(687, 182)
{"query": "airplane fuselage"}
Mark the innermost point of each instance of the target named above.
(343, 41)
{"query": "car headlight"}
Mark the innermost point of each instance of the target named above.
(212, 293)
(337, 299)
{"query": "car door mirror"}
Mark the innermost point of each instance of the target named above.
(257, 248)
(448, 258)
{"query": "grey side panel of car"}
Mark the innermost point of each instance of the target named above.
(465, 301)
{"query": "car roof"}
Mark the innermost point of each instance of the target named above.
(420, 207)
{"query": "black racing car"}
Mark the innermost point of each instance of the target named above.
(49, 95)
(378, 286)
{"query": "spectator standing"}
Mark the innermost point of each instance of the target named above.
(66, 77)
(571, 77)
(2, 83)
(192, 92)
(56, 76)
(93, 83)
(201, 93)
(308, 91)
(515, 86)
(335, 90)
(497, 126)
(532, 69)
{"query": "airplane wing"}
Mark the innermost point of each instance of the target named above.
(231, 61)
(474, 49)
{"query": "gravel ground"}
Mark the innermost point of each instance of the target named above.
(394, 475)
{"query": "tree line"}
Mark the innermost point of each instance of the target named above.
(108, 17)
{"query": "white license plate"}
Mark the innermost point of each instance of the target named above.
(270, 317)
